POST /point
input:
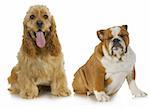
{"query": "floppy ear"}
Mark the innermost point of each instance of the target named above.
(100, 34)
(53, 44)
(53, 25)
(24, 27)
(125, 26)
(27, 43)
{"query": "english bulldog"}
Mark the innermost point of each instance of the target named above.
(112, 62)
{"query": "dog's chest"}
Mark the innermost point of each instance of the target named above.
(118, 70)
(45, 69)
(117, 81)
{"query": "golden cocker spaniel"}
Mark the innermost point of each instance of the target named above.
(40, 60)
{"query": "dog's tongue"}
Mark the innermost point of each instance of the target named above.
(40, 39)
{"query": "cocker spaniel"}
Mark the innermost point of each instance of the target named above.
(40, 60)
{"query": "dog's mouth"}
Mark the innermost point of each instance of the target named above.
(39, 37)
(117, 47)
(117, 51)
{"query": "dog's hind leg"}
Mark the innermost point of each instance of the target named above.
(12, 79)
(79, 84)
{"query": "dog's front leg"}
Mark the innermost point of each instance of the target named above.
(100, 88)
(28, 88)
(132, 85)
(59, 85)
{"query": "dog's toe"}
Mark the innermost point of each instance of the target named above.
(62, 92)
(102, 96)
(139, 93)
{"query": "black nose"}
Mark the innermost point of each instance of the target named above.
(39, 23)
(116, 42)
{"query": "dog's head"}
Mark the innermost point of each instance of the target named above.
(37, 23)
(115, 40)
(40, 35)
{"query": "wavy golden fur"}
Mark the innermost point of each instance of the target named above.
(39, 66)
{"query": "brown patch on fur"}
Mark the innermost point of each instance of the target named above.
(39, 66)
(124, 34)
(108, 81)
(90, 76)
(134, 74)
(105, 36)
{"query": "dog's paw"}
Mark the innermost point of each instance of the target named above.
(89, 93)
(62, 92)
(101, 96)
(139, 93)
(29, 94)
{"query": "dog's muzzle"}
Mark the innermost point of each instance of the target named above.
(116, 44)
(39, 24)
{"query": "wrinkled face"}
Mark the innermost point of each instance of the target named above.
(115, 39)
(38, 23)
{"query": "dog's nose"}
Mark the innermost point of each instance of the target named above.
(116, 42)
(39, 23)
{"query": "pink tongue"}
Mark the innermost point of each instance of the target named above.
(40, 39)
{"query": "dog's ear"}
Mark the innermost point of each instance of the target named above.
(27, 43)
(125, 27)
(28, 46)
(53, 44)
(100, 34)
(53, 25)
(24, 28)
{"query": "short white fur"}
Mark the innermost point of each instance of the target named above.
(101, 96)
(135, 90)
(117, 70)
(115, 30)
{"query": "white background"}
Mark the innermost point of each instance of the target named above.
(77, 23)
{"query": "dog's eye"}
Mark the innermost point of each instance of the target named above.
(45, 16)
(122, 35)
(32, 17)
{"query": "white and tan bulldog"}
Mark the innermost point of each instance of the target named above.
(111, 63)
